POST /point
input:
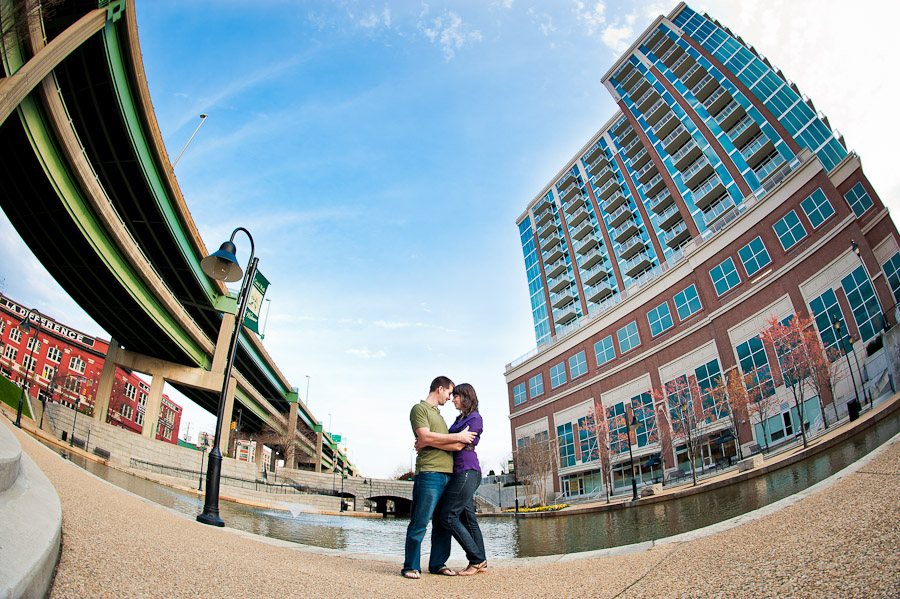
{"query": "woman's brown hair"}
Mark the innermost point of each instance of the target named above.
(469, 401)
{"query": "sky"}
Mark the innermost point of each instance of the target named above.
(381, 152)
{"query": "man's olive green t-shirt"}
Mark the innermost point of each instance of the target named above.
(430, 459)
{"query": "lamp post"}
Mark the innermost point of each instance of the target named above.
(343, 477)
(25, 327)
(223, 266)
(202, 455)
(306, 398)
(266, 321)
(202, 120)
(631, 428)
(836, 323)
(75, 415)
(855, 248)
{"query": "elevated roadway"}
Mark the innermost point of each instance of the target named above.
(88, 185)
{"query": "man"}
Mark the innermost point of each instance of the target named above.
(434, 467)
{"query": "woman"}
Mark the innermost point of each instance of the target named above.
(457, 510)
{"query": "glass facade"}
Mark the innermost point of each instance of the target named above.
(863, 303)
(566, 441)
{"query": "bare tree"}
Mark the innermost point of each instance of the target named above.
(793, 359)
(598, 427)
(732, 399)
(825, 369)
(534, 461)
(686, 414)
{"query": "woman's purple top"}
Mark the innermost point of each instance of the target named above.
(467, 459)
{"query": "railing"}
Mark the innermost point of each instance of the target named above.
(741, 126)
(621, 228)
(717, 209)
(706, 79)
(727, 110)
(674, 232)
(662, 122)
(653, 182)
(685, 149)
(690, 72)
(658, 199)
(695, 167)
(673, 135)
(706, 187)
(713, 97)
(667, 213)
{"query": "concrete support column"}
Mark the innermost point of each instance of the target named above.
(258, 458)
(319, 451)
(227, 413)
(289, 460)
(105, 386)
(222, 342)
(151, 412)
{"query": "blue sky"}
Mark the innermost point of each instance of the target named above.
(380, 153)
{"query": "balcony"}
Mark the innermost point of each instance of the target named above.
(556, 268)
(578, 215)
(629, 148)
(566, 314)
(543, 212)
(644, 99)
(630, 78)
(769, 166)
(582, 246)
(625, 230)
(704, 87)
(553, 253)
(618, 217)
(604, 174)
(693, 75)
(716, 100)
(757, 149)
(659, 202)
(611, 203)
(681, 64)
(631, 247)
(665, 125)
(598, 293)
(566, 180)
(551, 240)
(708, 191)
(686, 152)
(569, 191)
(678, 136)
(594, 275)
(599, 162)
(729, 115)
(700, 167)
(619, 127)
(639, 87)
(672, 56)
(558, 300)
(669, 217)
(594, 154)
(743, 131)
(548, 228)
(656, 111)
(639, 159)
(723, 205)
(676, 235)
(663, 46)
(594, 256)
(636, 265)
(654, 185)
(557, 284)
(575, 202)
(608, 188)
(646, 172)
(585, 228)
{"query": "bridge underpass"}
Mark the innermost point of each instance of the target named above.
(88, 185)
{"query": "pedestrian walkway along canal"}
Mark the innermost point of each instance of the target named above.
(528, 537)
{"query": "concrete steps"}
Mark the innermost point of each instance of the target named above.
(30, 522)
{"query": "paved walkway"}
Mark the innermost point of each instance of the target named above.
(841, 541)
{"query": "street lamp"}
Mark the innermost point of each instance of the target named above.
(631, 428)
(306, 399)
(25, 327)
(202, 120)
(836, 323)
(266, 321)
(223, 266)
(202, 455)
(855, 248)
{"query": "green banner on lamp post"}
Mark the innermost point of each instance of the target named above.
(255, 302)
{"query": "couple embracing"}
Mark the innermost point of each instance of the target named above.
(447, 475)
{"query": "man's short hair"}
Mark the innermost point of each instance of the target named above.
(439, 382)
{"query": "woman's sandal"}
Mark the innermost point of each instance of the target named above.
(445, 571)
(473, 569)
(411, 574)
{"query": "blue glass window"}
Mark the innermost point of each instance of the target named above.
(535, 386)
(578, 365)
(687, 302)
(752, 358)
(725, 276)
(863, 303)
(604, 350)
(566, 440)
(618, 428)
(642, 408)
(660, 319)
(706, 380)
(789, 230)
(858, 199)
(628, 337)
(892, 271)
(519, 394)
(817, 208)
(557, 375)
(754, 256)
(825, 311)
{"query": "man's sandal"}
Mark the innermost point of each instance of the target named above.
(445, 571)
(411, 574)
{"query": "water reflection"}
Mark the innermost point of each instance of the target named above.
(525, 537)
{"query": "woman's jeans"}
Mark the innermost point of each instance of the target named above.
(428, 488)
(458, 515)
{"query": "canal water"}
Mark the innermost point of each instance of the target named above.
(528, 537)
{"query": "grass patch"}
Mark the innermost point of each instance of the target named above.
(10, 393)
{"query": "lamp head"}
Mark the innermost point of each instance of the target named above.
(25, 326)
(854, 246)
(222, 265)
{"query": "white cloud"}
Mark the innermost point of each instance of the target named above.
(366, 354)
(618, 36)
(448, 32)
(593, 18)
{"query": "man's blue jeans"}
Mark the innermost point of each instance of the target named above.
(428, 487)
(457, 514)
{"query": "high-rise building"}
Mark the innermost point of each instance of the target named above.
(715, 198)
